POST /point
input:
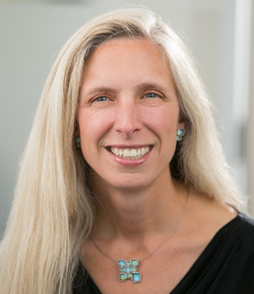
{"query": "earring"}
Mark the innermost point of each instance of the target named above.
(77, 140)
(179, 135)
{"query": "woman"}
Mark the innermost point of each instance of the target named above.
(123, 186)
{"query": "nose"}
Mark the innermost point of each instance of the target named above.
(127, 119)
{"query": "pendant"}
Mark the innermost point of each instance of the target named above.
(128, 270)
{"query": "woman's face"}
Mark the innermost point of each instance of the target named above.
(128, 114)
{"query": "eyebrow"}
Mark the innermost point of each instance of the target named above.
(99, 89)
(142, 86)
(151, 85)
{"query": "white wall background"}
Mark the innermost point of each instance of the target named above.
(32, 33)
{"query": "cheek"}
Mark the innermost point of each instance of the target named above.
(164, 125)
(92, 126)
(163, 121)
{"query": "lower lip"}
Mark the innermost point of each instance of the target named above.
(129, 162)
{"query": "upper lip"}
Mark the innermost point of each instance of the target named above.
(120, 146)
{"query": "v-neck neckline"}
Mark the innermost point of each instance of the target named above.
(210, 247)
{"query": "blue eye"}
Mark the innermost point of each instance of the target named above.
(151, 95)
(101, 98)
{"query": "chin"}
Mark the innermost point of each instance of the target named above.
(131, 183)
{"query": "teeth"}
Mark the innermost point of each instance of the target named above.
(130, 153)
(133, 153)
(126, 152)
(115, 151)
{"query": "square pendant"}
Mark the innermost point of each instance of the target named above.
(136, 277)
(128, 263)
(134, 262)
(128, 269)
(129, 276)
(121, 262)
(122, 277)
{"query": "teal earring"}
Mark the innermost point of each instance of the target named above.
(179, 135)
(77, 140)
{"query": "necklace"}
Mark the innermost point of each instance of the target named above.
(128, 269)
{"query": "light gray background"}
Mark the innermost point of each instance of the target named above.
(31, 35)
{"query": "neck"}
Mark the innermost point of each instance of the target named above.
(136, 214)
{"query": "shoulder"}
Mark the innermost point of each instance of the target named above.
(227, 263)
(242, 225)
(207, 217)
(235, 242)
(239, 248)
(246, 220)
(242, 231)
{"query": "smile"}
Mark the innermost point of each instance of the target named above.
(130, 153)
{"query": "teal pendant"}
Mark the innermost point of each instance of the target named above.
(128, 270)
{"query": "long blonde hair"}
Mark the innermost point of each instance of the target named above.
(53, 212)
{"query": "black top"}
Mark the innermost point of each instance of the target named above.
(226, 266)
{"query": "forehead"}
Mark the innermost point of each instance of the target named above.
(139, 49)
(127, 61)
(129, 43)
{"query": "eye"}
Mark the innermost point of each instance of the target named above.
(101, 99)
(152, 95)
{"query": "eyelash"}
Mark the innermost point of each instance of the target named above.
(153, 93)
(105, 98)
(97, 99)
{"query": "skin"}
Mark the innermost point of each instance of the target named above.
(128, 100)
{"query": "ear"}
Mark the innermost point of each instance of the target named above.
(76, 130)
(180, 131)
(77, 136)
(181, 125)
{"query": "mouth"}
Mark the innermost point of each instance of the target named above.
(130, 153)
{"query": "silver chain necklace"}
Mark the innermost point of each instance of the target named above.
(128, 269)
